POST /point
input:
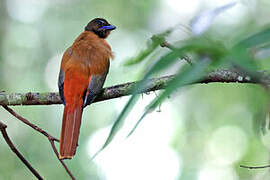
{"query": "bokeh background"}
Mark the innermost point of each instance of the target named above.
(202, 132)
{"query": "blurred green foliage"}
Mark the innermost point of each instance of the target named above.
(30, 52)
(209, 54)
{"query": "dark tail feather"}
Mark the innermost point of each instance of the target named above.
(70, 131)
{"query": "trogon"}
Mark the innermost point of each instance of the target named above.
(83, 70)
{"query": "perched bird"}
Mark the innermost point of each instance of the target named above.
(84, 68)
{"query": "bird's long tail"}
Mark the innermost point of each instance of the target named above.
(70, 130)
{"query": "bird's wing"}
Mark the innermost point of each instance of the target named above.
(61, 77)
(95, 85)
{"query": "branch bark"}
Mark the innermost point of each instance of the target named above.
(48, 98)
(50, 138)
(16, 151)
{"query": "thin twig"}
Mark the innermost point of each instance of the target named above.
(25, 121)
(169, 46)
(14, 149)
(52, 140)
(49, 137)
(254, 167)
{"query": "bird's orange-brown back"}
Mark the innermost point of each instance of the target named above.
(78, 60)
(88, 48)
(88, 56)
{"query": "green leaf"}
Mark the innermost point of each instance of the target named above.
(207, 47)
(260, 122)
(189, 75)
(163, 63)
(257, 39)
(240, 54)
(142, 55)
(241, 58)
(118, 123)
(156, 40)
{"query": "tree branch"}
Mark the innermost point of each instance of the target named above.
(107, 93)
(14, 149)
(49, 137)
(171, 47)
(49, 98)
(254, 167)
(25, 121)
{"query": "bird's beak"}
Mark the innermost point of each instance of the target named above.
(109, 27)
